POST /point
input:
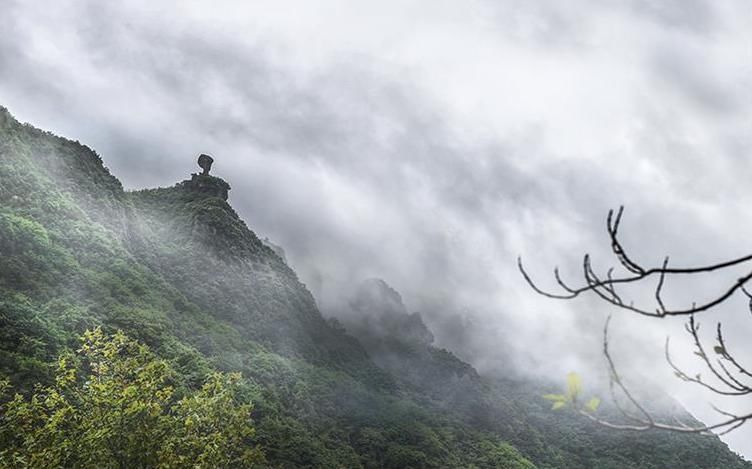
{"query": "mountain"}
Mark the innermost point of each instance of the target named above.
(399, 342)
(177, 269)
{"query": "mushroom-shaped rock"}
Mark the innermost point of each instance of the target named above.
(204, 183)
(205, 161)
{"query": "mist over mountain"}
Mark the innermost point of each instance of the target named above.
(429, 144)
(177, 269)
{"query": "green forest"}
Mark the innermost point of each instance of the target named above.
(153, 328)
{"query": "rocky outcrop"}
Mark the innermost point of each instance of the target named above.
(205, 162)
(207, 185)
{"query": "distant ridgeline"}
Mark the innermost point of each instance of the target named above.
(178, 270)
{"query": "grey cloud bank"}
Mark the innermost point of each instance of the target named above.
(428, 143)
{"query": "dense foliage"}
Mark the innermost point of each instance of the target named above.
(113, 405)
(178, 271)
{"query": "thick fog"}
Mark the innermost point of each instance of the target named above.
(429, 143)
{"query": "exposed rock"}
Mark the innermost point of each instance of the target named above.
(205, 162)
(208, 185)
(203, 183)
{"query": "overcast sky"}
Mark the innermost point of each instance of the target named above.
(429, 143)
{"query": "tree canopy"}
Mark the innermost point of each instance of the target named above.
(113, 405)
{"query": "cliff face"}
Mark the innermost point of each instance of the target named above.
(178, 269)
(193, 238)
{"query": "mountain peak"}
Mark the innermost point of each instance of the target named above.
(211, 186)
(378, 308)
(203, 183)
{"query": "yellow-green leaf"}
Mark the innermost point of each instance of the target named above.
(574, 385)
(592, 404)
(555, 397)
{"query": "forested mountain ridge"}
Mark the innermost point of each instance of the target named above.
(178, 270)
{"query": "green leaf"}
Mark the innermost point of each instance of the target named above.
(574, 385)
(558, 405)
(592, 404)
(555, 397)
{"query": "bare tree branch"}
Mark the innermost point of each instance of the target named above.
(728, 377)
(605, 288)
(648, 421)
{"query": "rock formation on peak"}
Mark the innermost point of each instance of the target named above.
(206, 184)
(205, 162)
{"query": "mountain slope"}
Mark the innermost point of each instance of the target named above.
(399, 342)
(178, 269)
(79, 252)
